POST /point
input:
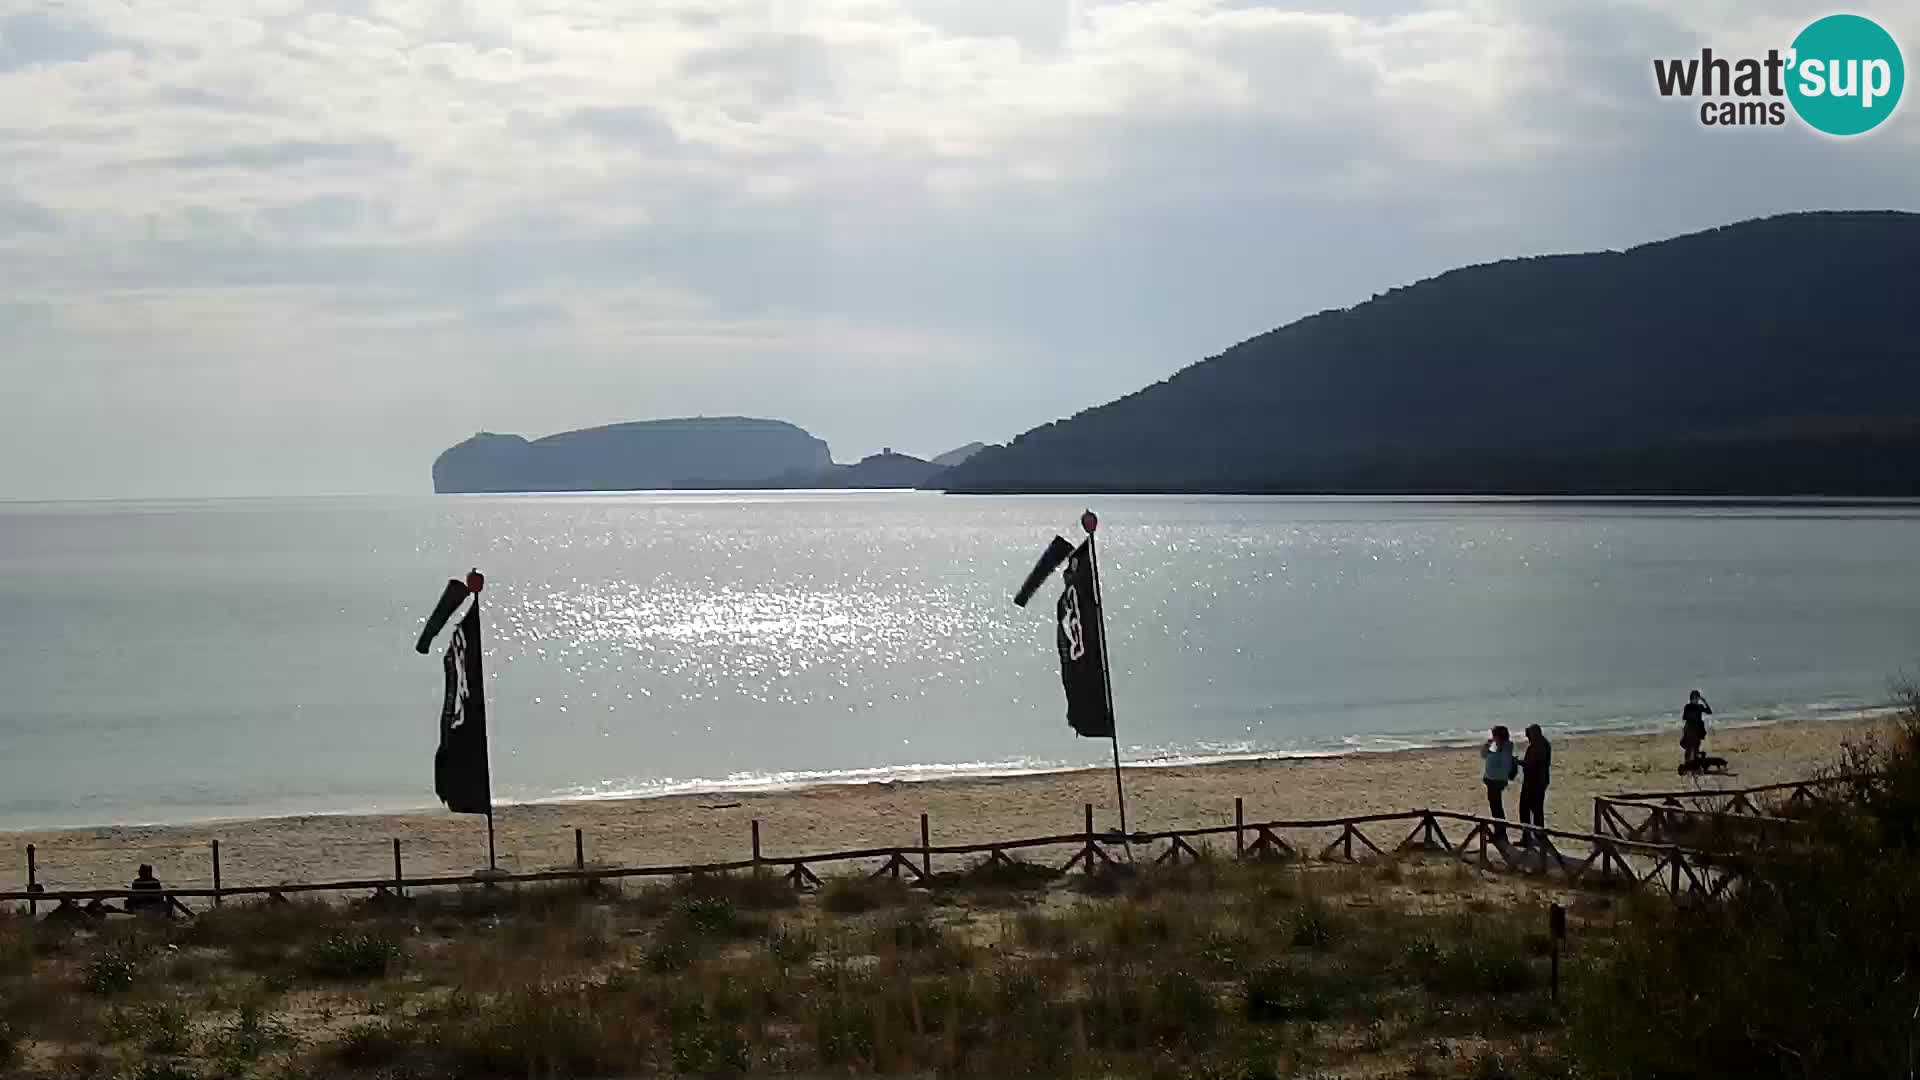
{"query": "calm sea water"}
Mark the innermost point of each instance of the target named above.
(165, 661)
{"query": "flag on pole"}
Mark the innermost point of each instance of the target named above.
(1080, 628)
(1083, 655)
(460, 772)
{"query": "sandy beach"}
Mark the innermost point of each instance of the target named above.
(716, 827)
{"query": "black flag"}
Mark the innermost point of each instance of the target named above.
(1083, 654)
(1050, 561)
(460, 776)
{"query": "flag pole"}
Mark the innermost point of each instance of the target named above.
(463, 713)
(1090, 522)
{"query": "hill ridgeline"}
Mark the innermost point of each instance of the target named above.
(1778, 356)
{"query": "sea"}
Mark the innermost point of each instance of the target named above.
(167, 661)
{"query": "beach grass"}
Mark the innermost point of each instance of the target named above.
(1215, 970)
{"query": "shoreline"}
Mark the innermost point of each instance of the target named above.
(914, 775)
(712, 827)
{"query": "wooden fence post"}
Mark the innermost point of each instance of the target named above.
(580, 858)
(926, 848)
(216, 873)
(1239, 828)
(1557, 932)
(398, 875)
(1089, 809)
(756, 845)
(33, 906)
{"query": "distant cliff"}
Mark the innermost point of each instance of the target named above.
(705, 452)
(883, 470)
(1769, 357)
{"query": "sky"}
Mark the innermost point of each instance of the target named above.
(267, 247)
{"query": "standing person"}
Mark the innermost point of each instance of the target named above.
(1693, 727)
(1498, 768)
(1536, 771)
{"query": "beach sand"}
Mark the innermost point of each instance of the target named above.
(716, 827)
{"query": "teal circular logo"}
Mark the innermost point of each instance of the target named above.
(1846, 75)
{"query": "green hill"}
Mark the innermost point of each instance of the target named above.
(1776, 356)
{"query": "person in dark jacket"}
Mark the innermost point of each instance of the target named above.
(151, 898)
(1693, 727)
(1497, 769)
(1536, 771)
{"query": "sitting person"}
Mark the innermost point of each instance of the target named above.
(152, 898)
(68, 911)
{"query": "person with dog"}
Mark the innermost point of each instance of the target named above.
(1693, 728)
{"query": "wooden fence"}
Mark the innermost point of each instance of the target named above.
(1580, 858)
(1753, 812)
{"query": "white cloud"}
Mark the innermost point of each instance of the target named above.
(1001, 210)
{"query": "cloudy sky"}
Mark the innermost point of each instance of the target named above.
(294, 246)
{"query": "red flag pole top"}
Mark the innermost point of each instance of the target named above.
(1089, 521)
(475, 581)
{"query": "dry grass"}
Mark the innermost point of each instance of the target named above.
(1212, 970)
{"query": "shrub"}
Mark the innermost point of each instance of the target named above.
(747, 892)
(1129, 927)
(166, 1030)
(1185, 1012)
(913, 930)
(699, 1044)
(353, 956)
(251, 1034)
(669, 952)
(85, 1063)
(1227, 952)
(712, 916)
(792, 946)
(1492, 1065)
(110, 973)
(1279, 993)
(949, 1004)
(1314, 927)
(858, 895)
(1015, 876)
(1422, 954)
(541, 1032)
(164, 1069)
(1477, 966)
(1041, 930)
(843, 1032)
(376, 1046)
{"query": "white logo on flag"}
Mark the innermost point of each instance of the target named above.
(457, 651)
(1070, 622)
